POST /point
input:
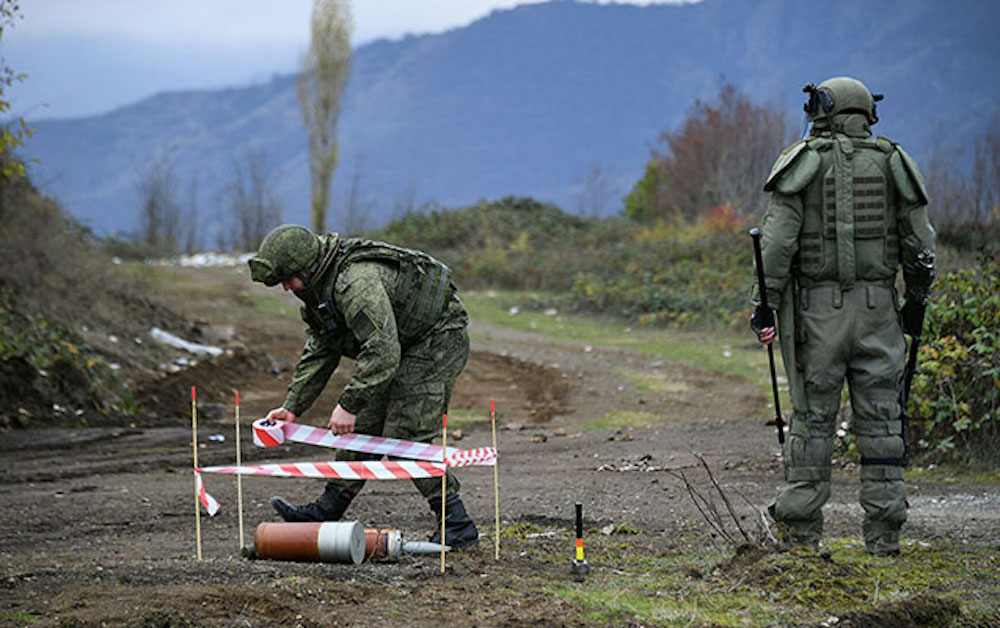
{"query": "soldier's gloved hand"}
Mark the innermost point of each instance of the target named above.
(761, 318)
(913, 317)
(280, 414)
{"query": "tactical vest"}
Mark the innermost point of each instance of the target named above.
(423, 285)
(849, 231)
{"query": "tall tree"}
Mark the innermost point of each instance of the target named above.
(320, 86)
(720, 155)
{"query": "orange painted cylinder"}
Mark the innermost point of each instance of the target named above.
(329, 542)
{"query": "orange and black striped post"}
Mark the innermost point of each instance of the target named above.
(580, 566)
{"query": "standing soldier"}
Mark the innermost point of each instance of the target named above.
(844, 212)
(396, 313)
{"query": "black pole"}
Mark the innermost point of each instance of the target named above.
(580, 567)
(778, 421)
(579, 520)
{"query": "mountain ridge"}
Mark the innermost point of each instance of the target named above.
(528, 100)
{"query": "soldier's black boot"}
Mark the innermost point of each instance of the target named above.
(329, 507)
(459, 530)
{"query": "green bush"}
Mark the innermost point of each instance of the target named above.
(953, 401)
(667, 273)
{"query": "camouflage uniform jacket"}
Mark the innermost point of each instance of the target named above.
(368, 301)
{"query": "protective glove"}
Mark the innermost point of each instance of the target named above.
(913, 317)
(762, 318)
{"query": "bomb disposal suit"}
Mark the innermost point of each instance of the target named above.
(843, 213)
(397, 314)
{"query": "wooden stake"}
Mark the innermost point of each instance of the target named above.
(239, 477)
(194, 447)
(496, 483)
(444, 481)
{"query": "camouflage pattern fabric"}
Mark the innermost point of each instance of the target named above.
(837, 227)
(403, 381)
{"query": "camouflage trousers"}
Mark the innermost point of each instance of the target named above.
(854, 335)
(414, 404)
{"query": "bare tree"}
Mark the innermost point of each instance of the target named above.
(595, 192)
(251, 201)
(159, 208)
(189, 222)
(320, 86)
(405, 202)
(985, 181)
(356, 207)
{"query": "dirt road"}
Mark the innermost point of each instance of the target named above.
(97, 524)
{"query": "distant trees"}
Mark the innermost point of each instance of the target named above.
(965, 207)
(319, 87)
(160, 209)
(251, 201)
(719, 156)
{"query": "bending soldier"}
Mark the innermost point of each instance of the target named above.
(395, 312)
(844, 212)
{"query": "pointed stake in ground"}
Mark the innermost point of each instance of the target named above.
(194, 447)
(444, 481)
(496, 483)
(239, 477)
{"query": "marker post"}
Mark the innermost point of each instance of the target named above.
(194, 447)
(444, 481)
(580, 566)
(239, 476)
(496, 483)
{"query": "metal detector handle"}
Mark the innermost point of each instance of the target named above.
(759, 259)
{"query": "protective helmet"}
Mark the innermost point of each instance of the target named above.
(840, 95)
(285, 252)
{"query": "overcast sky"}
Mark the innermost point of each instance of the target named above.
(84, 57)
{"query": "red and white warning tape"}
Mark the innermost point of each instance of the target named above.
(348, 470)
(425, 459)
(273, 434)
(206, 500)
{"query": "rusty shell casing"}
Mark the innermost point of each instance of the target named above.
(328, 542)
(382, 544)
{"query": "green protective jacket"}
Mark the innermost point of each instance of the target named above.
(845, 208)
(368, 301)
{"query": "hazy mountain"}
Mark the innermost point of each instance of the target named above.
(530, 100)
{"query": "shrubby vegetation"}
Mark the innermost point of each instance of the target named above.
(55, 282)
(668, 272)
(956, 389)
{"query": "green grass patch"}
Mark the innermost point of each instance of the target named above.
(458, 417)
(940, 584)
(17, 618)
(654, 382)
(726, 352)
(618, 419)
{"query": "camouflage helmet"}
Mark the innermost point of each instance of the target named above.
(286, 251)
(841, 94)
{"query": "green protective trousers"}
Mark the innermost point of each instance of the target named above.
(412, 409)
(854, 335)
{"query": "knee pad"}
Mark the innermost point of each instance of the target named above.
(808, 449)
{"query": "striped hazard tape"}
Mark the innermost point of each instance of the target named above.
(347, 470)
(273, 434)
(211, 506)
(424, 458)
